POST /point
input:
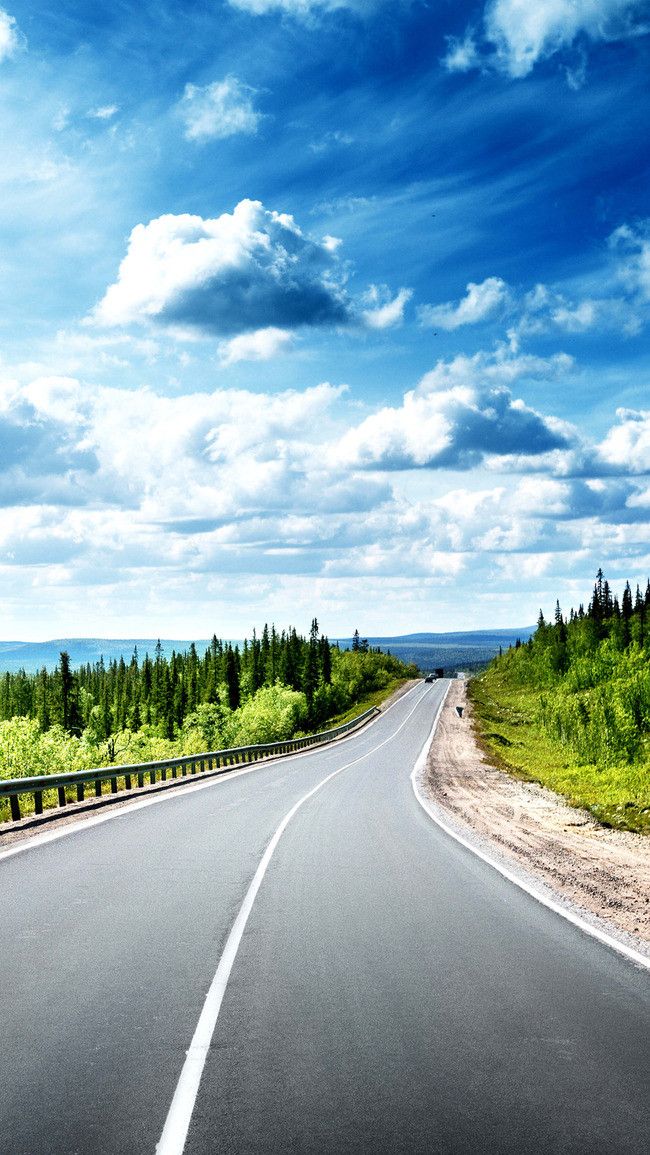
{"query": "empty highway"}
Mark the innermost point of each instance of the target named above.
(383, 989)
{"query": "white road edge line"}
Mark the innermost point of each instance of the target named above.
(130, 805)
(595, 932)
(174, 1135)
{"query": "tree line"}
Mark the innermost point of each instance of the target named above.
(592, 670)
(155, 691)
(148, 708)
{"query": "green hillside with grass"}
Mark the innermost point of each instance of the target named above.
(570, 708)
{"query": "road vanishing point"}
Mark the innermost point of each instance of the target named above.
(296, 958)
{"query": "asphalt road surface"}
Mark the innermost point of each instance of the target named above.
(390, 992)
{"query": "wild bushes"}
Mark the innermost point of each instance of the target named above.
(580, 691)
(273, 712)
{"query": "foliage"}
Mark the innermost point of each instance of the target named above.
(579, 690)
(274, 687)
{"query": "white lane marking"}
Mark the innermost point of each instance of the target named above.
(633, 955)
(174, 1135)
(84, 823)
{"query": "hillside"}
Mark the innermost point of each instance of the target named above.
(571, 707)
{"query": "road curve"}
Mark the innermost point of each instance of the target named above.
(390, 992)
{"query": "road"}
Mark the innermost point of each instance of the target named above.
(390, 992)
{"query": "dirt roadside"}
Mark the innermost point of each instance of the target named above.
(602, 873)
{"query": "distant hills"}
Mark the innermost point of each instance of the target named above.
(32, 656)
(459, 650)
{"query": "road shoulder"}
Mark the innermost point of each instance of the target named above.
(603, 874)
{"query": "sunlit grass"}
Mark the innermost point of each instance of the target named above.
(507, 729)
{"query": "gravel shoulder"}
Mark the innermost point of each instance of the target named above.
(603, 873)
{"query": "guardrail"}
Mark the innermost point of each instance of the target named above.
(214, 760)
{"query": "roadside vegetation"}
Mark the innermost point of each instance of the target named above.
(570, 708)
(274, 687)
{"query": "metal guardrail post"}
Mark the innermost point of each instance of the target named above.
(218, 759)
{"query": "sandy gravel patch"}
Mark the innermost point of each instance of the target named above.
(602, 873)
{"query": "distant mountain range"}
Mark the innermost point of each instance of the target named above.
(459, 650)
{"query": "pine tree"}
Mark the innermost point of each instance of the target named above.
(232, 679)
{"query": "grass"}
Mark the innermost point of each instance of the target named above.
(512, 739)
(366, 703)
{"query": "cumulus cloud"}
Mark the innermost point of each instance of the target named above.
(246, 270)
(104, 485)
(518, 34)
(627, 445)
(480, 302)
(453, 428)
(10, 38)
(218, 110)
(385, 312)
(262, 345)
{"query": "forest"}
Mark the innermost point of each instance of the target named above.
(581, 683)
(274, 686)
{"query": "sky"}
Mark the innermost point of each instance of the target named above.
(333, 308)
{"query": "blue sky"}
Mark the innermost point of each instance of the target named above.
(333, 307)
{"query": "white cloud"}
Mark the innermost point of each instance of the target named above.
(457, 427)
(167, 498)
(385, 312)
(10, 38)
(632, 245)
(462, 54)
(627, 445)
(104, 112)
(543, 309)
(245, 270)
(331, 243)
(480, 302)
(262, 345)
(521, 33)
(504, 366)
(301, 8)
(218, 110)
(331, 140)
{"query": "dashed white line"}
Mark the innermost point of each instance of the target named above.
(174, 1135)
(130, 805)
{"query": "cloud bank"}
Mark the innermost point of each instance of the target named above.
(300, 497)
